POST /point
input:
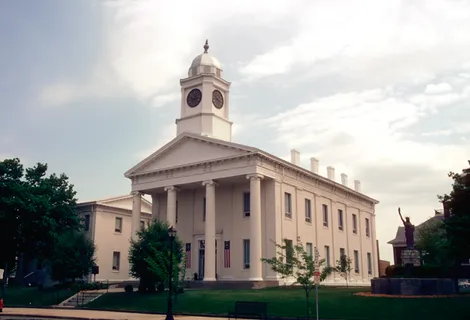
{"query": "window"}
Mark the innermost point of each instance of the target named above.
(116, 260)
(204, 210)
(246, 254)
(340, 219)
(369, 263)
(356, 261)
(87, 222)
(118, 225)
(246, 204)
(354, 217)
(288, 204)
(308, 210)
(309, 249)
(342, 252)
(325, 215)
(176, 217)
(327, 256)
(367, 228)
(142, 225)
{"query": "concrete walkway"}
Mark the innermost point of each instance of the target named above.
(73, 314)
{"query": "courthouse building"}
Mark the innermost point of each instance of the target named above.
(231, 202)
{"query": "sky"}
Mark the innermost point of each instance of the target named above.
(377, 89)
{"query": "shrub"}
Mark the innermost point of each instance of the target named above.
(160, 287)
(179, 290)
(129, 288)
(151, 288)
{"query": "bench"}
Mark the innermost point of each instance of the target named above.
(249, 309)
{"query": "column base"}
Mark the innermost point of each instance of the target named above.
(209, 279)
(255, 279)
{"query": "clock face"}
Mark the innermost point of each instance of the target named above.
(194, 98)
(217, 99)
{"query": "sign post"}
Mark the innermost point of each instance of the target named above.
(317, 278)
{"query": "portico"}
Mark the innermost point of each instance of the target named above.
(174, 198)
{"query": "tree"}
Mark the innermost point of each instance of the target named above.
(292, 261)
(433, 243)
(34, 210)
(149, 255)
(457, 226)
(343, 267)
(73, 256)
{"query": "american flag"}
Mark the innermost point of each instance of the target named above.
(188, 255)
(227, 254)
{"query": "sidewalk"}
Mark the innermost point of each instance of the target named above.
(74, 314)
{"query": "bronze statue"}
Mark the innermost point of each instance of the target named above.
(409, 231)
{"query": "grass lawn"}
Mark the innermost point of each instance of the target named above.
(336, 303)
(34, 297)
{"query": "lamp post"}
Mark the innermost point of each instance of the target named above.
(169, 312)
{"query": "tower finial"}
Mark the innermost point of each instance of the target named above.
(206, 46)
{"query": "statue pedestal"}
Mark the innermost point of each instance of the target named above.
(411, 257)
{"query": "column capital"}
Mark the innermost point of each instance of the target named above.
(254, 176)
(170, 188)
(137, 193)
(209, 183)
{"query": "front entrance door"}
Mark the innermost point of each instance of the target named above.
(201, 259)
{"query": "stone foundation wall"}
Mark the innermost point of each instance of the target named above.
(413, 286)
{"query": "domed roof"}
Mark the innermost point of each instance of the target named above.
(205, 59)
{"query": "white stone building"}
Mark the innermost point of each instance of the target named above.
(108, 223)
(229, 202)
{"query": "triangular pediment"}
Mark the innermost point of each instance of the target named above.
(188, 149)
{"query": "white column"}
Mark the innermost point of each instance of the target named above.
(155, 207)
(256, 270)
(209, 262)
(171, 205)
(136, 210)
(375, 262)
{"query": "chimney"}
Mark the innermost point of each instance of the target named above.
(445, 205)
(344, 179)
(314, 165)
(357, 185)
(295, 157)
(330, 173)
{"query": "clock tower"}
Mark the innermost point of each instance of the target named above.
(205, 99)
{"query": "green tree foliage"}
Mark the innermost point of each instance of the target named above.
(34, 210)
(73, 256)
(292, 261)
(458, 225)
(433, 243)
(149, 255)
(343, 267)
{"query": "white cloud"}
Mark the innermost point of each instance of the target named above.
(372, 40)
(438, 88)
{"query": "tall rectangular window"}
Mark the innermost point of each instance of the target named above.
(87, 222)
(325, 215)
(288, 204)
(369, 263)
(246, 253)
(309, 249)
(356, 261)
(367, 228)
(340, 219)
(246, 204)
(327, 256)
(116, 260)
(142, 225)
(204, 210)
(176, 217)
(342, 252)
(354, 220)
(118, 225)
(308, 210)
